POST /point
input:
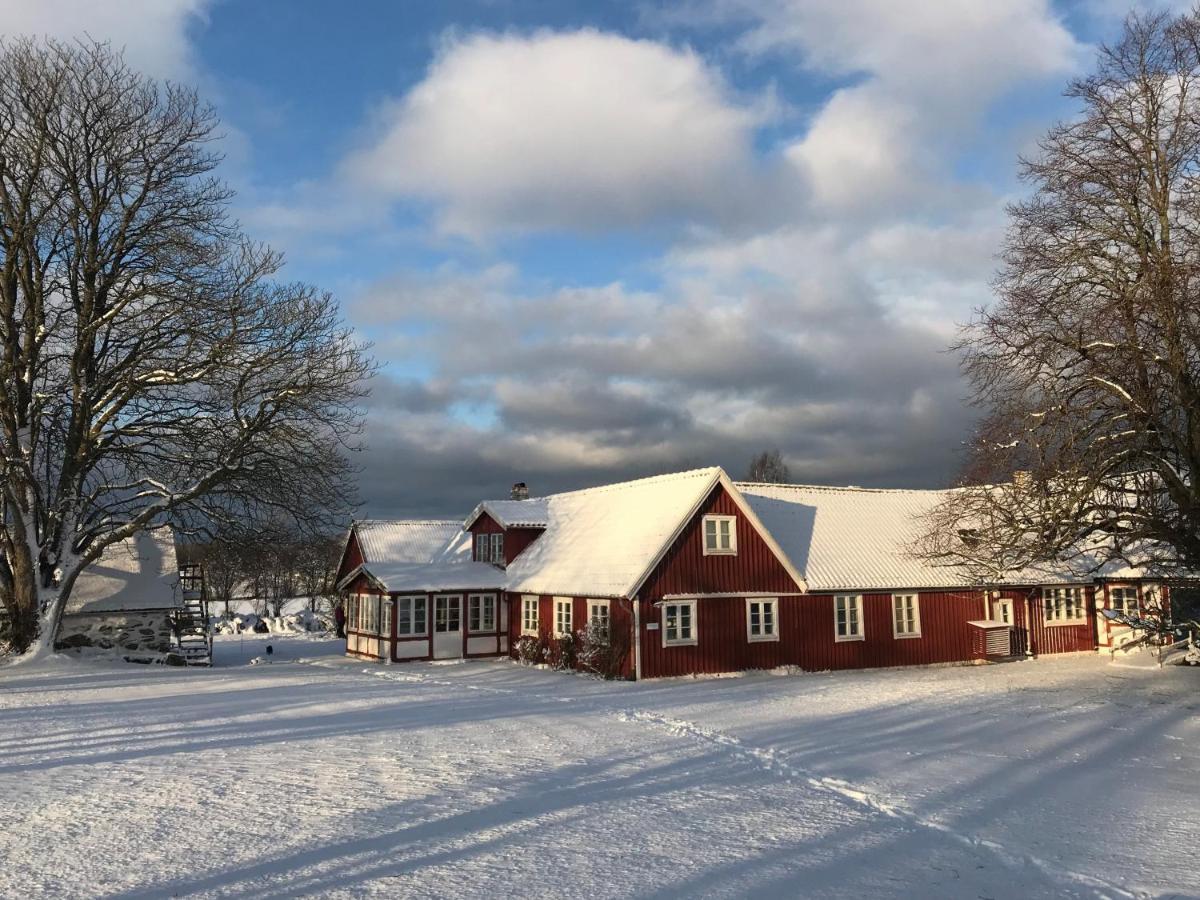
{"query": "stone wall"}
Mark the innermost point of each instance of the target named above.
(137, 633)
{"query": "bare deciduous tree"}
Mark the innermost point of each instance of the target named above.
(1089, 361)
(768, 467)
(150, 368)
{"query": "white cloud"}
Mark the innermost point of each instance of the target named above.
(944, 47)
(153, 33)
(583, 130)
(927, 72)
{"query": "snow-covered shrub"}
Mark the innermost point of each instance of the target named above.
(603, 652)
(304, 621)
(563, 652)
(532, 650)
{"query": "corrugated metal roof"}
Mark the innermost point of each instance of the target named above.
(140, 572)
(397, 541)
(848, 538)
(851, 538)
(531, 513)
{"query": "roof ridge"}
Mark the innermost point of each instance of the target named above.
(409, 522)
(840, 488)
(708, 470)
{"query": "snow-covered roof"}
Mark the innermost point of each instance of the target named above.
(851, 538)
(393, 541)
(530, 513)
(421, 555)
(605, 541)
(140, 572)
(435, 576)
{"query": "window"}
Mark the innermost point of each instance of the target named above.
(1124, 600)
(679, 622)
(385, 617)
(411, 617)
(529, 615)
(481, 612)
(720, 535)
(598, 615)
(482, 547)
(1063, 606)
(351, 611)
(498, 548)
(906, 616)
(762, 619)
(848, 618)
(562, 616)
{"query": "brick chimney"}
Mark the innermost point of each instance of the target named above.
(520, 491)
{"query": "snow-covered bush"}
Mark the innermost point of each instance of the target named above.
(601, 651)
(532, 650)
(563, 652)
(304, 621)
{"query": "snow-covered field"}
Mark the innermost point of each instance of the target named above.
(318, 775)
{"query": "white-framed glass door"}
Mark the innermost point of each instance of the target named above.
(447, 627)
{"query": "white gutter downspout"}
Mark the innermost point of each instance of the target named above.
(637, 640)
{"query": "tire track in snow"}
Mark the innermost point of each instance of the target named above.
(772, 762)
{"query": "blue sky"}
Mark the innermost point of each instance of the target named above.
(597, 240)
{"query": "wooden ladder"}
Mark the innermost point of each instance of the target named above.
(194, 637)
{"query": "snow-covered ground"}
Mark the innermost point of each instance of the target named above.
(314, 774)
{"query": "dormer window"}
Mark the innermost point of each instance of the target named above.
(720, 535)
(490, 548)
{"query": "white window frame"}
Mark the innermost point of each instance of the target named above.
(693, 637)
(1055, 604)
(368, 614)
(855, 601)
(497, 541)
(486, 606)
(352, 612)
(765, 604)
(564, 615)
(482, 548)
(1124, 588)
(529, 623)
(915, 632)
(411, 602)
(385, 617)
(717, 521)
(599, 613)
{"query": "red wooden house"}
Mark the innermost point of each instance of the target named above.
(698, 574)
(884, 607)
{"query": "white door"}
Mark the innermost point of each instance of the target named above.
(447, 627)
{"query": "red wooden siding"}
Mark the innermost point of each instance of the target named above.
(619, 612)
(722, 644)
(686, 570)
(516, 540)
(721, 621)
(1040, 639)
(352, 558)
(945, 635)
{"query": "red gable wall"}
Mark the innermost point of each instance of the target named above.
(352, 557)
(721, 621)
(686, 570)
